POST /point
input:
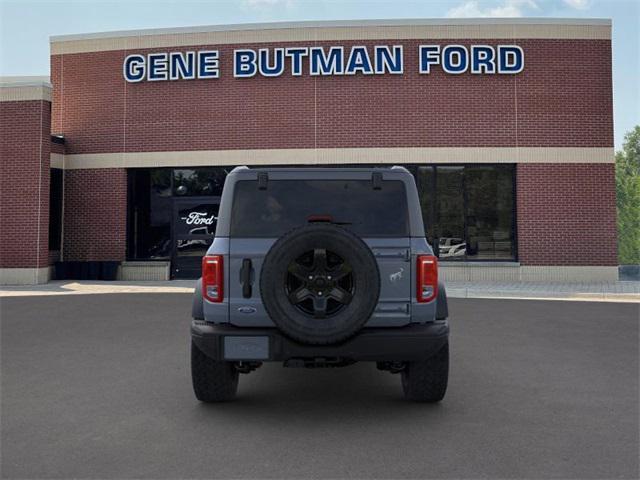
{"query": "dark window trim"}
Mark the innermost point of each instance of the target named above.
(55, 235)
(514, 212)
(129, 233)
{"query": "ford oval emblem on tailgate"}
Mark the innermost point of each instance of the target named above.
(247, 310)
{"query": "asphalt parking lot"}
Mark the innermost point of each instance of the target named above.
(98, 386)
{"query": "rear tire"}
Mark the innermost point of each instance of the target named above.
(213, 381)
(426, 380)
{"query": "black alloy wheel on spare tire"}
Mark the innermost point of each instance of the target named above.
(320, 283)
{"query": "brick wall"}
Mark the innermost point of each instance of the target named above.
(562, 98)
(95, 214)
(566, 214)
(24, 183)
(57, 148)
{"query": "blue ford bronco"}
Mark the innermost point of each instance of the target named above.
(320, 267)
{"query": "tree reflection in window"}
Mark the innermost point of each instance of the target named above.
(199, 181)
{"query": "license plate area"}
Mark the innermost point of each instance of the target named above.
(246, 347)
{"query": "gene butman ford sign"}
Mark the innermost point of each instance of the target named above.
(327, 61)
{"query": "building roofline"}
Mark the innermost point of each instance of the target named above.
(18, 89)
(24, 81)
(333, 24)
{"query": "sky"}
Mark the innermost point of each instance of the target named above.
(25, 26)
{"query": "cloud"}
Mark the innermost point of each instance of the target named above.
(508, 8)
(578, 4)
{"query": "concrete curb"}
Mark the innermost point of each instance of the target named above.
(622, 292)
(544, 295)
(93, 288)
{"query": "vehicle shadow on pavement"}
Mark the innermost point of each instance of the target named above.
(345, 391)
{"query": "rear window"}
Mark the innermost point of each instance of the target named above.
(286, 204)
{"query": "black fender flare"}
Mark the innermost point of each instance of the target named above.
(197, 311)
(442, 309)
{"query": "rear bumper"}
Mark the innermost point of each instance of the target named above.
(410, 343)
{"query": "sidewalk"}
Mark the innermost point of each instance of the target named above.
(594, 292)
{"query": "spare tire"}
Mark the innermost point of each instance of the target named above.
(320, 283)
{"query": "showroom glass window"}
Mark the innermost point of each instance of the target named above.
(193, 182)
(469, 211)
(151, 196)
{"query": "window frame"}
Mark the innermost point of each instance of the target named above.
(414, 169)
(133, 194)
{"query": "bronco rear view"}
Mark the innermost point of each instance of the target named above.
(320, 267)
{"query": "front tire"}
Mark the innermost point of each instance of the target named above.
(213, 381)
(426, 380)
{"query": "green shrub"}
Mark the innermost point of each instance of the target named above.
(628, 198)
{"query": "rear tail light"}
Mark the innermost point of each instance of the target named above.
(427, 276)
(213, 278)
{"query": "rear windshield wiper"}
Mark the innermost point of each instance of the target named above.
(325, 219)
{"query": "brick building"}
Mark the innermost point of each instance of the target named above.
(506, 124)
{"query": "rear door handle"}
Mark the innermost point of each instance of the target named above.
(245, 277)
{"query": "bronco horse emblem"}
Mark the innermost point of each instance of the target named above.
(394, 277)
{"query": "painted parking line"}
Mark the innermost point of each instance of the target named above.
(76, 288)
(517, 293)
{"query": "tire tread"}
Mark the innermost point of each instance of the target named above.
(426, 380)
(213, 381)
